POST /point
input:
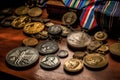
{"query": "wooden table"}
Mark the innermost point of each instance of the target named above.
(11, 38)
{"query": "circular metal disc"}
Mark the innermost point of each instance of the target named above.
(69, 18)
(50, 62)
(22, 57)
(62, 53)
(73, 65)
(20, 21)
(115, 49)
(95, 60)
(34, 12)
(47, 47)
(78, 39)
(21, 10)
(30, 41)
(65, 31)
(55, 29)
(33, 27)
(100, 36)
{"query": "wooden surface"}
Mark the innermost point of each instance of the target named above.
(11, 38)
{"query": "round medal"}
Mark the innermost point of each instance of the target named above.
(79, 55)
(95, 60)
(69, 18)
(35, 11)
(22, 57)
(103, 49)
(78, 39)
(33, 27)
(47, 47)
(62, 53)
(100, 36)
(65, 31)
(20, 22)
(73, 65)
(21, 10)
(50, 62)
(30, 41)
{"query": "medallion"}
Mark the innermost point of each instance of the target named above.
(22, 10)
(50, 62)
(95, 60)
(35, 11)
(47, 47)
(79, 54)
(33, 27)
(20, 21)
(65, 31)
(22, 57)
(73, 65)
(103, 49)
(78, 39)
(69, 18)
(30, 41)
(100, 36)
(62, 53)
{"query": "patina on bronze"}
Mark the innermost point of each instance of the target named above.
(73, 65)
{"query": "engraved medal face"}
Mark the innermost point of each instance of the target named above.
(47, 47)
(62, 53)
(100, 36)
(69, 18)
(95, 60)
(115, 49)
(30, 41)
(33, 27)
(55, 29)
(73, 65)
(35, 11)
(22, 57)
(21, 10)
(20, 22)
(78, 39)
(50, 62)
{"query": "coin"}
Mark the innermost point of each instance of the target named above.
(35, 11)
(33, 27)
(115, 49)
(20, 21)
(78, 39)
(79, 54)
(30, 41)
(100, 36)
(22, 10)
(41, 35)
(103, 49)
(65, 31)
(95, 60)
(55, 29)
(22, 57)
(50, 62)
(69, 18)
(94, 45)
(62, 53)
(73, 65)
(47, 47)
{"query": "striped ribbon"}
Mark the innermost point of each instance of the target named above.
(87, 18)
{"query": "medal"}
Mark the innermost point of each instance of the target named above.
(62, 53)
(21, 10)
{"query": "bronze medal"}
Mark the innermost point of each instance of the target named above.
(20, 22)
(69, 18)
(100, 36)
(33, 27)
(35, 11)
(95, 60)
(30, 41)
(73, 65)
(78, 39)
(103, 49)
(21, 10)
